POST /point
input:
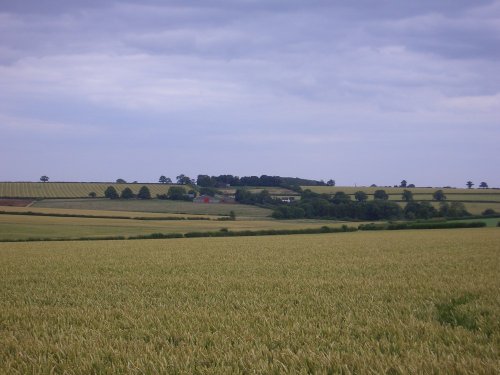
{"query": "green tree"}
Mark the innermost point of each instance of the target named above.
(44, 179)
(422, 210)
(127, 193)
(183, 179)
(176, 193)
(341, 197)
(209, 191)
(92, 194)
(407, 195)
(439, 195)
(380, 195)
(488, 211)
(455, 209)
(330, 182)
(360, 196)
(204, 180)
(483, 185)
(403, 183)
(121, 181)
(470, 184)
(111, 193)
(165, 180)
(232, 215)
(144, 193)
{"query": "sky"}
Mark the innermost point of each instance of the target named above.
(362, 92)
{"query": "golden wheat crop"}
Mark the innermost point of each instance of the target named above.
(365, 302)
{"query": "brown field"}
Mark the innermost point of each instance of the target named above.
(15, 202)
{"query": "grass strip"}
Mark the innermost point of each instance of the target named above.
(31, 213)
(271, 232)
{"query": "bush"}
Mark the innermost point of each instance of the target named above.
(111, 193)
(127, 193)
(144, 193)
(177, 193)
(380, 194)
(488, 211)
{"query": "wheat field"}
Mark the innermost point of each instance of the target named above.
(364, 302)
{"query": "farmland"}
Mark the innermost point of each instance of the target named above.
(22, 227)
(364, 302)
(154, 205)
(69, 189)
(474, 200)
(83, 189)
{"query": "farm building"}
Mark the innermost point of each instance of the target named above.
(216, 199)
(206, 199)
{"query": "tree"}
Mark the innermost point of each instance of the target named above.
(44, 179)
(144, 193)
(121, 181)
(455, 209)
(232, 215)
(469, 184)
(111, 193)
(403, 183)
(92, 194)
(204, 180)
(330, 182)
(411, 186)
(483, 185)
(380, 209)
(380, 195)
(183, 179)
(127, 193)
(340, 197)
(439, 195)
(360, 196)
(407, 195)
(177, 193)
(165, 180)
(422, 210)
(489, 211)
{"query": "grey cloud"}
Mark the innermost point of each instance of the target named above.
(328, 77)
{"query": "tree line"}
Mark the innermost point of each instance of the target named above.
(341, 206)
(173, 193)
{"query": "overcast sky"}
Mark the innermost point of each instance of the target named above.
(359, 91)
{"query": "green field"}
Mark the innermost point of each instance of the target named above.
(22, 227)
(155, 205)
(366, 302)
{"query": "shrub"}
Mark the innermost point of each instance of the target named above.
(144, 193)
(111, 193)
(127, 193)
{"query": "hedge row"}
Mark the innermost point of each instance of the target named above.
(31, 213)
(422, 225)
(272, 232)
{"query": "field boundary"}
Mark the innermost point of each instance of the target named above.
(271, 232)
(160, 218)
